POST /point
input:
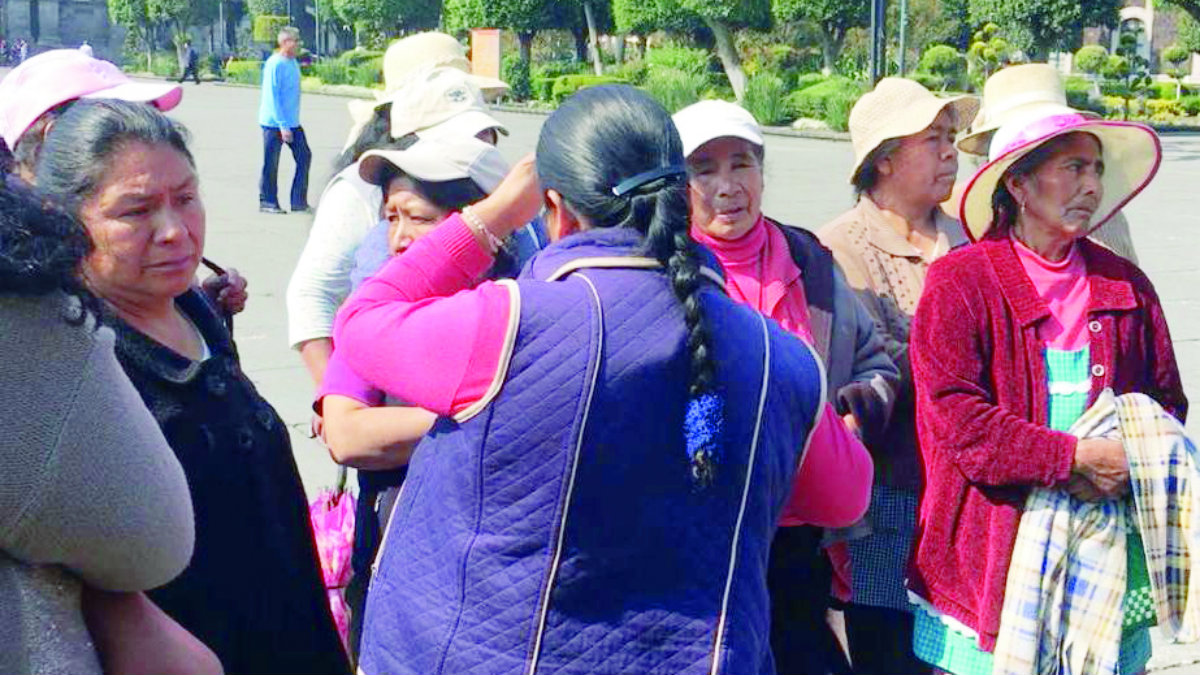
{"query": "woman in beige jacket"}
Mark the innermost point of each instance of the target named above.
(905, 166)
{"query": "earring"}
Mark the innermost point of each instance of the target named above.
(1022, 208)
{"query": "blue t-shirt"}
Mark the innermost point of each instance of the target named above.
(279, 107)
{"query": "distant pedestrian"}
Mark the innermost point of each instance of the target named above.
(279, 117)
(86, 49)
(188, 62)
(22, 50)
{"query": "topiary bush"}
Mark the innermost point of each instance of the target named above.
(944, 62)
(766, 99)
(674, 88)
(1091, 59)
(686, 59)
(1161, 90)
(245, 72)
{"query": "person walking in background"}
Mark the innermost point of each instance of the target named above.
(279, 117)
(188, 62)
(86, 49)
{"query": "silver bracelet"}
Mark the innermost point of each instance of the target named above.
(474, 222)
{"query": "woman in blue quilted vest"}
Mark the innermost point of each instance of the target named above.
(616, 436)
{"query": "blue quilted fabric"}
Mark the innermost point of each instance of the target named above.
(644, 556)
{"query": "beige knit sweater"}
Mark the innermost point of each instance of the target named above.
(90, 492)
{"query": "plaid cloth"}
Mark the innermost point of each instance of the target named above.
(879, 561)
(1063, 602)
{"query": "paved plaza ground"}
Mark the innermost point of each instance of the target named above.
(806, 186)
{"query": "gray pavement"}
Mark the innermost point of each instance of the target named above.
(806, 185)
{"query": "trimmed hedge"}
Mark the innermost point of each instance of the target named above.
(689, 60)
(830, 101)
(246, 72)
(566, 85)
(1190, 105)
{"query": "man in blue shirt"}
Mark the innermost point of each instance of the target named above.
(279, 117)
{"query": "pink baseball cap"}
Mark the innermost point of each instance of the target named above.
(60, 75)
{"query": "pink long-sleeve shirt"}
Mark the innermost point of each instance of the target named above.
(423, 331)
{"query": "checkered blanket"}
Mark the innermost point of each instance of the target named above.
(1063, 599)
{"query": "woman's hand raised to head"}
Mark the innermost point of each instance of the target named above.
(515, 202)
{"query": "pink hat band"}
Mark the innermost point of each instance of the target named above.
(1034, 131)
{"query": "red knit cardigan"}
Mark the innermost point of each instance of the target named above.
(982, 407)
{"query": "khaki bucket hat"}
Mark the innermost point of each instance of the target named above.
(1030, 89)
(899, 107)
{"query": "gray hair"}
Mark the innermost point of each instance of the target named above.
(288, 32)
(84, 140)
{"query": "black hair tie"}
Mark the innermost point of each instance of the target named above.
(630, 184)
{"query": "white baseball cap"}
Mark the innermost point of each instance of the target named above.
(467, 124)
(431, 96)
(702, 122)
(439, 161)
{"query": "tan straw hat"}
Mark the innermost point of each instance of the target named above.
(895, 108)
(1131, 153)
(406, 56)
(1030, 89)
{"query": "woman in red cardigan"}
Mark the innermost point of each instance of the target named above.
(1013, 339)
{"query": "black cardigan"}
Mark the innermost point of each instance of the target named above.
(253, 592)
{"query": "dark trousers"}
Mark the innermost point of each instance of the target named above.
(268, 184)
(191, 68)
(881, 641)
(798, 578)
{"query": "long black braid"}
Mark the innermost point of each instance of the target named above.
(594, 141)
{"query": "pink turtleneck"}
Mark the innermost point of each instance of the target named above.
(833, 485)
(1063, 285)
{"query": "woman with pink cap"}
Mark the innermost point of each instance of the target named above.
(1014, 338)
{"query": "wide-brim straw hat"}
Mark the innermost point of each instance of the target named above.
(899, 107)
(406, 56)
(1131, 153)
(1016, 92)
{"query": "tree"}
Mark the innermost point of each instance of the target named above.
(643, 17)
(1091, 59)
(523, 17)
(1176, 56)
(386, 16)
(987, 54)
(833, 19)
(723, 17)
(1040, 26)
(132, 15)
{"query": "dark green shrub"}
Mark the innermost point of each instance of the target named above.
(674, 89)
(542, 87)
(515, 72)
(930, 81)
(829, 101)
(1190, 105)
(245, 72)
(1161, 90)
(766, 99)
(558, 68)
(809, 79)
(359, 57)
(944, 61)
(214, 66)
(1079, 95)
(567, 85)
(633, 72)
(686, 59)
(332, 71)
(365, 76)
